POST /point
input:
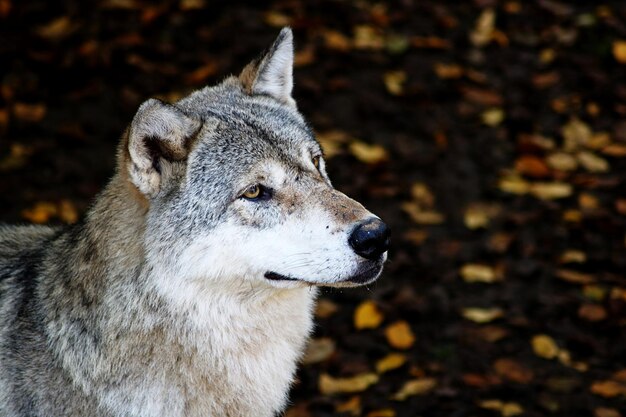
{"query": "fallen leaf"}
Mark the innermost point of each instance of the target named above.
(506, 409)
(482, 315)
(484, 27)
(476, 216)
(5, 8)
(479, 273)
(318, 350)
(394, 82)
(544, 346)
(352, 406)
(276, 19)
(67, 212)
(420, 216)
(390, 362)
(385, 412)
(416, 237)
(493, 117)
(615, 150)
(413, 387)
(329, 385)
(399, 335)
(325, 308)
(40, 213)
(619, 51)
(592, 312)
(562, 161)
(608, 388)
(574, 277)
(336, 40)
(29, 112)
(575, 135)
(368, 37)
(606, 412)
(550, 190)
(480, 381)
(369, 154)
(201, 74)
(513, 370)
(573, 256)
(367, 316)
(592, 162)
(448, 71)
(514, 184)
(57, 29)
(532, 166)
(187, 5)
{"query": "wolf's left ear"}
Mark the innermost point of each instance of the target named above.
(159, 134)
(272, 73)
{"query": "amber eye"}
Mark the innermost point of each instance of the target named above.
(252, 192)
(316, 161)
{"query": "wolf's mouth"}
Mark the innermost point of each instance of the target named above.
(360, 278)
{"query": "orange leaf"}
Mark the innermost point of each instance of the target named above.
(399, 335)
(367, 316)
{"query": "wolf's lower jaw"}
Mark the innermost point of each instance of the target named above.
(360, 278)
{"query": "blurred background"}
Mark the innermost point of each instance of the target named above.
(490, 135)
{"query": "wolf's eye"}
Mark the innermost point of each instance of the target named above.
(316, 162)
(256, 192)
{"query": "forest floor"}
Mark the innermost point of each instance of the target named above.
(490, 135)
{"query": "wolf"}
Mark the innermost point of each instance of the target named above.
(188, 287)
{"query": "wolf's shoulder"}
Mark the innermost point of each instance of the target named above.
(15, 240)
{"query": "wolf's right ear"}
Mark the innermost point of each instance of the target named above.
(159, 131)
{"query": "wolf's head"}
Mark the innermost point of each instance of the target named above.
(237, 191)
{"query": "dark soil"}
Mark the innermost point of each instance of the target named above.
(478, 125)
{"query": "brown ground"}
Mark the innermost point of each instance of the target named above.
(490, 135)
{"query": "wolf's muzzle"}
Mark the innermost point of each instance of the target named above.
(370, 239)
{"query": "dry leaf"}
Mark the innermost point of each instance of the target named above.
(352, 406)
(399, 335)
(478, 273)
(370, 154)
(608, 388)
(57, 29)
(187, 5)
(513, 371)
(329, 385)
(420, 216)
(29, 112)
(544, 346)
(318, 350)
(336, 40)
(550, 190)
(390, 362)
(413, 387)
(532, 166)
(615, 150)
(40, 213)
(201, 74)
(573, 256)
(484, 28)
(277, 20)
(575, 134)
(562, 161)
(385, 412)
(592, 162)
(506, 409)
(592, 312)
(476, 217)
(67, 212)
(367, 37)
(606, 412)
(574, 277)
(619, 51)
(482, 315)
(394, 82)
(448, 71)
(367, 316)
(514, 184)
(421, 194)
(325, 308)
(493, 117)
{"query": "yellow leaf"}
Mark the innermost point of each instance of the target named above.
(367, 316)
(478, 273)
(544, 346)
(562, 161)
(619, 51)
(575, 134)
(484, 28)
(329, 385)
(413, 387)
(399, 335)
(56, 29)
(67, 212)
(40, 213)
(573, 256)
(608, 388)
(318, 350)
(390, 362)
(370, 154)
(352, 406)
(551, 190)
(493, 117)
(394, 82)
(277, 20)
(506, 409)
(448, 71)
(592, 162)
(29, 112)
(385, 412)
(482, 315)
(420, 216)
(367, 37)
(514, 184)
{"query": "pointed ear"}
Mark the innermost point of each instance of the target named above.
(272, 73)
(158, 133)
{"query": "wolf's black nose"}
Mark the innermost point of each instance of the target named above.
(370, 239)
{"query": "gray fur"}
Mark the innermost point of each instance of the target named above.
(156, 303)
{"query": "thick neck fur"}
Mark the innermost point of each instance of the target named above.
(121, 341)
